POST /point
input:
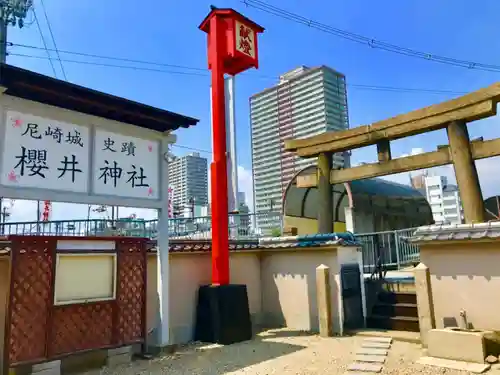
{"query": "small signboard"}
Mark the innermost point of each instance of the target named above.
(125, 166)
(245, 39)
(44, 153)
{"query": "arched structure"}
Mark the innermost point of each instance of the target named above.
(362, 206)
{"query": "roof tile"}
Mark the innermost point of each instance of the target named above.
(457, 232)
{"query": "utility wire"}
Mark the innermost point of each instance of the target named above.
(373, 43)
(192, 148)
(115, 65)
(44, 43)
(53, 39)
(204, 72)
(113, 58)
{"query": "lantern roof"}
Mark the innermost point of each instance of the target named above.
(228, 12)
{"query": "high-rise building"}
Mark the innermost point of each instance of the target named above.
(188, 178)
(305, 102)
(444, 200)
(242, 197)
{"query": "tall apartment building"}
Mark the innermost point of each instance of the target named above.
(305, 102)
(188, 178)
(444, 200)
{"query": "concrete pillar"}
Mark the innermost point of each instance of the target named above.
(425, 305)
(325, 197)
(162, 329)
(119, 356)
(323, 297)
(466, 172)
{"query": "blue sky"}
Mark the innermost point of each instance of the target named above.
(166, 32)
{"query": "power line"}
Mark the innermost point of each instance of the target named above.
(204, 72)
(192, 149)
(83, 54)
(53, 39)
(114, 65)
(44, 43)
(361, 39)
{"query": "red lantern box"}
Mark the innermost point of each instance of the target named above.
(240, 40)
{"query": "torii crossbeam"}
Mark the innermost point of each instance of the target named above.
(452, 115)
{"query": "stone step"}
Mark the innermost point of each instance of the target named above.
(396, 309)
(378, 339)
(397, 323)
(372, 351)
(370, 358)
(365, 367)
(376, 345)
(397, 297)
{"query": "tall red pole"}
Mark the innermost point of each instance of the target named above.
(218, 168)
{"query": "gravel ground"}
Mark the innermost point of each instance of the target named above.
(277, 352)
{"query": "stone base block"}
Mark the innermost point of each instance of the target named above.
(457, 344)
(47, 368)
(119, 356)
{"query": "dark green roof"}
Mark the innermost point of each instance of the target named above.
(379, 186)
(374, 196)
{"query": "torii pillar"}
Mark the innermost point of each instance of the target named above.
(466, 172)
(325, 197)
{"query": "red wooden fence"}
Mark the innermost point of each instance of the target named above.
(38, 331)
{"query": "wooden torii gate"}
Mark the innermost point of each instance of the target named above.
(452, 115)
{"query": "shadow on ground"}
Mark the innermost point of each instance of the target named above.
(204, 359)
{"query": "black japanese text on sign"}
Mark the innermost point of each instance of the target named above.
(112, 171)
(32, 162)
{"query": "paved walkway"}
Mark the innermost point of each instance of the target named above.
(370, 358)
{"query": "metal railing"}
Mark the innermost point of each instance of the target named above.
(391, 248)
(241, 226)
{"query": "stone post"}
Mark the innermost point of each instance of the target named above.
(323, 297)
(325, 197)
(425, 305)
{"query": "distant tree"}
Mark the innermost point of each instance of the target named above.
(276, 232)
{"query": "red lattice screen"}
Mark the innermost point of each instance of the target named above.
(81, 327)
(30, 300)
(131, 290)
(38, 331)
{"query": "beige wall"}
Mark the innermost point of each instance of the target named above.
(4, 288)
(281, 287)
(464, 275)
(187, 272)
(309, 226)
(289, 293)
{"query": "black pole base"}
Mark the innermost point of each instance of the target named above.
(223, 314)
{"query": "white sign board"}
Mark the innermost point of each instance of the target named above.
(46, 154)
(126, 166)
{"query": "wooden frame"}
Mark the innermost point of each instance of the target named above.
(113, 281)
(53, 331)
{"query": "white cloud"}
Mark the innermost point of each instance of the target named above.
(245, 184)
